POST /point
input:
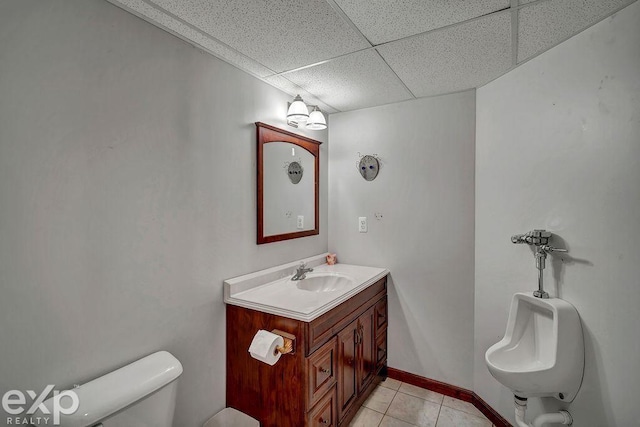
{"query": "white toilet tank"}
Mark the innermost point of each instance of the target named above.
(141, 394)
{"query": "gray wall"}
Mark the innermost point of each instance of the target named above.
(425, 193)
(558, 147)
(127, 195)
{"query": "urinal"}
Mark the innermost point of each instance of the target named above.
(542, 352)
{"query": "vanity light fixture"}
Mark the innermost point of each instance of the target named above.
(316, 120)
(298, 115)
(298, 111)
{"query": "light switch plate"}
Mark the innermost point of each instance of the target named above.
(362, 224)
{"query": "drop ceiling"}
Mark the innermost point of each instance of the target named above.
(347, 54)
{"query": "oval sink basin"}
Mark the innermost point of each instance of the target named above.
(325, 282)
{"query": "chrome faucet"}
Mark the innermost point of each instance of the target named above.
(301, 272)
(539, 239)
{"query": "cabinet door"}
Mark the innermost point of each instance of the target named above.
(367, 357)
(347, 353)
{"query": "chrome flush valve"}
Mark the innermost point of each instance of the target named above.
(539, 239)
(535, 237)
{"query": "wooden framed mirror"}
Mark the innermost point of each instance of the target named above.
(288, 185)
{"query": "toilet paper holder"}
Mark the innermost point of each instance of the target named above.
(289, 346)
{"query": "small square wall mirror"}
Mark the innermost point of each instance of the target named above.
(288, 185)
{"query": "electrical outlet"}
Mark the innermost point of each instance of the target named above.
(300, 223)
(362, 224)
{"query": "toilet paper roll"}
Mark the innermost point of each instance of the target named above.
(263, 347)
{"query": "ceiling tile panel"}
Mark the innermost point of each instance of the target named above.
(280, 34)
(433, 46)
(385, 20)
(189, 33)
(544, 24)
(292, 89)
(453, 59)
(358, 80)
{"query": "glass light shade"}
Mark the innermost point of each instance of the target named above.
(316, 120)
(298, 110)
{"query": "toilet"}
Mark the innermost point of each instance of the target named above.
(141, 394)
(230, 417)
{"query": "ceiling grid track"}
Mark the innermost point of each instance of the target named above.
(203, 33)
(531, 3)
(397, 76)
(324, 61)
(514, 32)
(353, 26)
(348, 20)
(342, 14)
(303, 89)
(215, 40)
(445, 27)
(391, 42)
(403, 72)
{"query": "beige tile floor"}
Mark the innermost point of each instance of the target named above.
(397, 404)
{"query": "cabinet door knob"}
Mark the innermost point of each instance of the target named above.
(324, 370)
(323, 421)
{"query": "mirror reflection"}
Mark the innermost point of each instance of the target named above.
(288, 188)
(288, 180)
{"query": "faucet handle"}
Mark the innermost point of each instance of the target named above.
(548, 248)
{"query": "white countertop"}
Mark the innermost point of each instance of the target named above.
(271, 291)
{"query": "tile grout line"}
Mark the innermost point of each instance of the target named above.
(474, 414)
(438, 417)
(395, 393)
(440, 405)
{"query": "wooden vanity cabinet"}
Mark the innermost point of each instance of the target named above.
(339, 358)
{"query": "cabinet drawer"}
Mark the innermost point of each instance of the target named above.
(321, 371)
(324, 413)
(381, 314)
(324, 327)
(381, 348)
